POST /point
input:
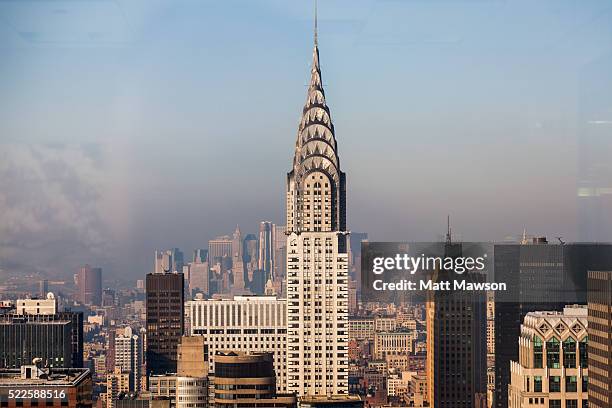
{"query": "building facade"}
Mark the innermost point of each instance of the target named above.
(552, 370)
(56, 338)
(128, 356)
(539, 276)
(89, 284)
(317, 258)
(600, 339)
(253, 324)
(456, 341)
(247, 380)
(165, 324)
(46, 305)
(388, 344)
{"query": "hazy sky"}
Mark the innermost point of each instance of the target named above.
(127, 126)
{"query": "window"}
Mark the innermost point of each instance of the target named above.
(584, 354)
(552, 353)
(585, 383)
(537, 352)
(571, 384)
(554, 384)
(537, 383)
(571, 403)
(554, 404)
(569, 353)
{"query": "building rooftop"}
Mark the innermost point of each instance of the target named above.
(46, 377)
(338, 399)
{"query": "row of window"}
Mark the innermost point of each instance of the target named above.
(554, 349)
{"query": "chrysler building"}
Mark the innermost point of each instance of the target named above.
(317, 259)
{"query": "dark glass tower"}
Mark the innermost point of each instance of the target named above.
(456, 341)
(165, 305)
(57, 339)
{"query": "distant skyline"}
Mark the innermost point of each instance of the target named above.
(130, 126)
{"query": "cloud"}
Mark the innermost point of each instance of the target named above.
(51, 198)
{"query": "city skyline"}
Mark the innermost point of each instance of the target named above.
(156, 252)
(115, 179)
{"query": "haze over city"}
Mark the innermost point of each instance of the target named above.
(127, 127)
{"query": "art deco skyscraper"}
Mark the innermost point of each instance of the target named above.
(237, 261)
(317, 259)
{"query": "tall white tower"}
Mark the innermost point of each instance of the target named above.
(317, 259)
(128, 356)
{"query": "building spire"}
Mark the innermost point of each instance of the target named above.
(448, 230)
(316, 29)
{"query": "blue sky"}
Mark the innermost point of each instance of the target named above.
(127, 126)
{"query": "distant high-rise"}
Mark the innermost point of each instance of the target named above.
(238, 271)
(43, 288)
(199, 278)
(128, 356)
(250, 253)
(170, 260)
(280, 253)
(266, 248)
(165, 326)
(219, 248)
(317, 258)
(200, 255)
(600, 338)
(89, 284)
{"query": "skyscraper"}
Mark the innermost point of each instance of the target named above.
(128, 356)
(552, 369)
(238, 272)
(456, 340)
(600, 343)
(89, 283)
(165, 326)
(170, 260)
(266, 248)
(250, 248)
(317, 259)
(219, 248)
(280, 252)
(539, 276)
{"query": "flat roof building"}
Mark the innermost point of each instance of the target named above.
(32, 385)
